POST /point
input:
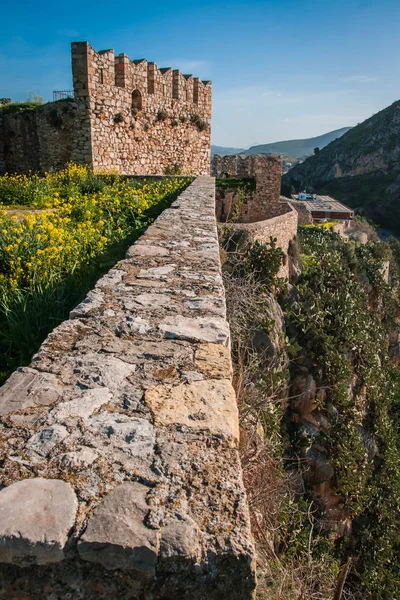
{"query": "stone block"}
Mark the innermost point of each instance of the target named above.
(27, 388)
(36, 516)
(117, 536)
(201, 329)
(200, 405)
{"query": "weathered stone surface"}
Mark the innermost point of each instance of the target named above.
(134, 436)
(83, 457)
(82, 406)
(137, 392)
(92, 302)
(214, 361)
(149, 301)
(201, 329)
(108, 371)
(36, 516)
(209, 405)
(117, 537)
(26, 388)
(156, 272)
(146, 250)
(48, 438)
(179, 538)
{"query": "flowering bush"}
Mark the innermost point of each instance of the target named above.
(85, 223)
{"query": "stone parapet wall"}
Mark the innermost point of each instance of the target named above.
(282, 227)
(240, 165)
(305, 217)
(38, 140)
(339, 228)
(120, 468)
(267, 171)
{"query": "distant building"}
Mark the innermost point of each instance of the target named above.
(323, 208)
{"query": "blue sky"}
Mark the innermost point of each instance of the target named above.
(281, 69)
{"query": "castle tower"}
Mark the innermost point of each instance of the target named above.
(137, 118)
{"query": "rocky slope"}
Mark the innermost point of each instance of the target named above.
(362, 168)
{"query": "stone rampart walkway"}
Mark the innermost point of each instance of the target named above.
(119, 444)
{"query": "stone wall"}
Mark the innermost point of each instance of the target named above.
(267, 171)
(128, 116)
(120, 469)
(283, 227)
(305, 217)
(142, 119)
(339, 228)
(39, 139)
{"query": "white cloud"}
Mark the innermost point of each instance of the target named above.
(358, 79)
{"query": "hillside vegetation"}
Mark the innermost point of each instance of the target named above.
(318, 384)
(362, 168)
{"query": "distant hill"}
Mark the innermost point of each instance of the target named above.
(226, 151)
(361, 168)
(290, 148)
(298, 148)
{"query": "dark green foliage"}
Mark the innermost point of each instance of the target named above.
(261, 261)
(264, 261)
(233, 183)
(161, 115)
(199, 122)
(344, 314)
(17, 107)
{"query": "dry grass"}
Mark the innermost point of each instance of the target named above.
(262, 393)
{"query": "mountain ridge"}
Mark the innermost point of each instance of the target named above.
(361, 168)
(297, 148)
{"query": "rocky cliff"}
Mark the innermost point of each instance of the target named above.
(362, 168)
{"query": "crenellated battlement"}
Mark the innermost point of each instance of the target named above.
(129, 116)
(91, 69)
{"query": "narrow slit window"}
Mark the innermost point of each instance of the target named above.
(137, 102)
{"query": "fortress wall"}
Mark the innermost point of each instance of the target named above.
(128, 116)
(120, 468)
(39, 139)
(283, 227)
(267, 171)
(143, 120)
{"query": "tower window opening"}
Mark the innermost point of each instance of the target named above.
(137, 102)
